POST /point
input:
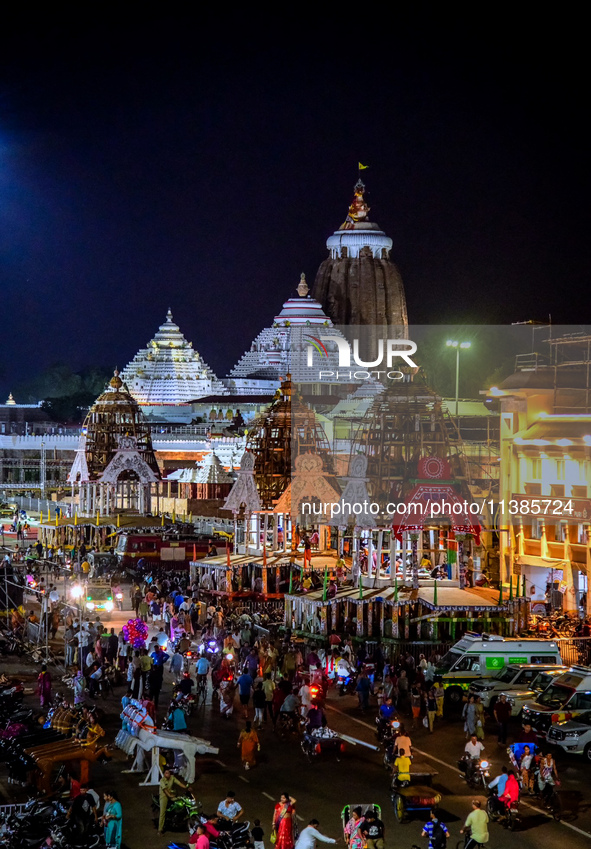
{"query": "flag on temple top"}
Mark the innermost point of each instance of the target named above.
(362, 167)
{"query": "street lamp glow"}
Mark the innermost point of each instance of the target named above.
(77, 591)
(454, 343)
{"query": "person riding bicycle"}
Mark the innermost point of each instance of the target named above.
(202, 669)
(547, 777)
(477, 826)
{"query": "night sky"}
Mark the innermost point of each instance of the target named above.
(200, 162)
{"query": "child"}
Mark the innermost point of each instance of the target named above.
(257, 835)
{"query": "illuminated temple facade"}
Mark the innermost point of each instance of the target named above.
(169, 374)
(283, 347)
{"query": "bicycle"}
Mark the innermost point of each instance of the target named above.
(201, 693)
(553, 804)
(467, 842)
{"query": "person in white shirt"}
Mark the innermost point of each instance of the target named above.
(309, 836)
(473, 749)
(305, 695)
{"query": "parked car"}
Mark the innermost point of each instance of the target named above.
(518, 696)
(512, 677)
(573, 735)
(567, 696)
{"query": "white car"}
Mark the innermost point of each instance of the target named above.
(517, 696)
(573, 735)
(516, 676)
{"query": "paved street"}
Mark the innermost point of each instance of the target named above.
(323, 788)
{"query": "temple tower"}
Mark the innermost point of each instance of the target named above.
(358, 284)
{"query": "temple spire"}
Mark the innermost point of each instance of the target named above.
(358, 209)
(303, 287)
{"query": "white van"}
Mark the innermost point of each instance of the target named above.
(479, 655)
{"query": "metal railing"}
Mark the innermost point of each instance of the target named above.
(575, 650)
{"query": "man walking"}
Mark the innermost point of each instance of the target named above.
(502, 714)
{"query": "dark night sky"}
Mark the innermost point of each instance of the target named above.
(200, 162)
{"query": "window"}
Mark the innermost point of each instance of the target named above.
(536, 469)
(578, 491)
(533, 489)
(557, 490)
(469, 663)
(537, 526)
(543, 658)
(556, 695)
(526, 676)
(580, 701)
(560, 470)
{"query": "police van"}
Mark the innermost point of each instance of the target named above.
(479, 655)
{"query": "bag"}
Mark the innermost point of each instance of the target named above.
(438, 838)
(273, 836)
(426, 721)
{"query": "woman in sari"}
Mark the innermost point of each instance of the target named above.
(283, 821)
(249, 744)
(353, 836)
(112, 819)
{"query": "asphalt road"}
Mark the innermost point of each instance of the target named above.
(324, 787)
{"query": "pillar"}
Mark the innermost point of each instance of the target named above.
(379, 551)
(392, 556)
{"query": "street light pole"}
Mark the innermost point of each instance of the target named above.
(453, 343)
(457, 380)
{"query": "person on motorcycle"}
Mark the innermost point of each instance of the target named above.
(402, 741)
(200, 837)
(477, 823)
(388, 709)
(510, 794)
(176, 719)
(166, 794)
(498, 784)
(472, 753)
(229, 810)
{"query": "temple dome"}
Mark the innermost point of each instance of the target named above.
(358, 284)
(115, 421)
(168, 372)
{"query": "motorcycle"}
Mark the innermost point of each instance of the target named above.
(475, 777)
(179, 812)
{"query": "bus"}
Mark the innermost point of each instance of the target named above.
(171, 551)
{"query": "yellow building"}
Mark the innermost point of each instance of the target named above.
(544, 508)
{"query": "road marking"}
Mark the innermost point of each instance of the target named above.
(244, 778)
(272, 798)
(444, 763)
